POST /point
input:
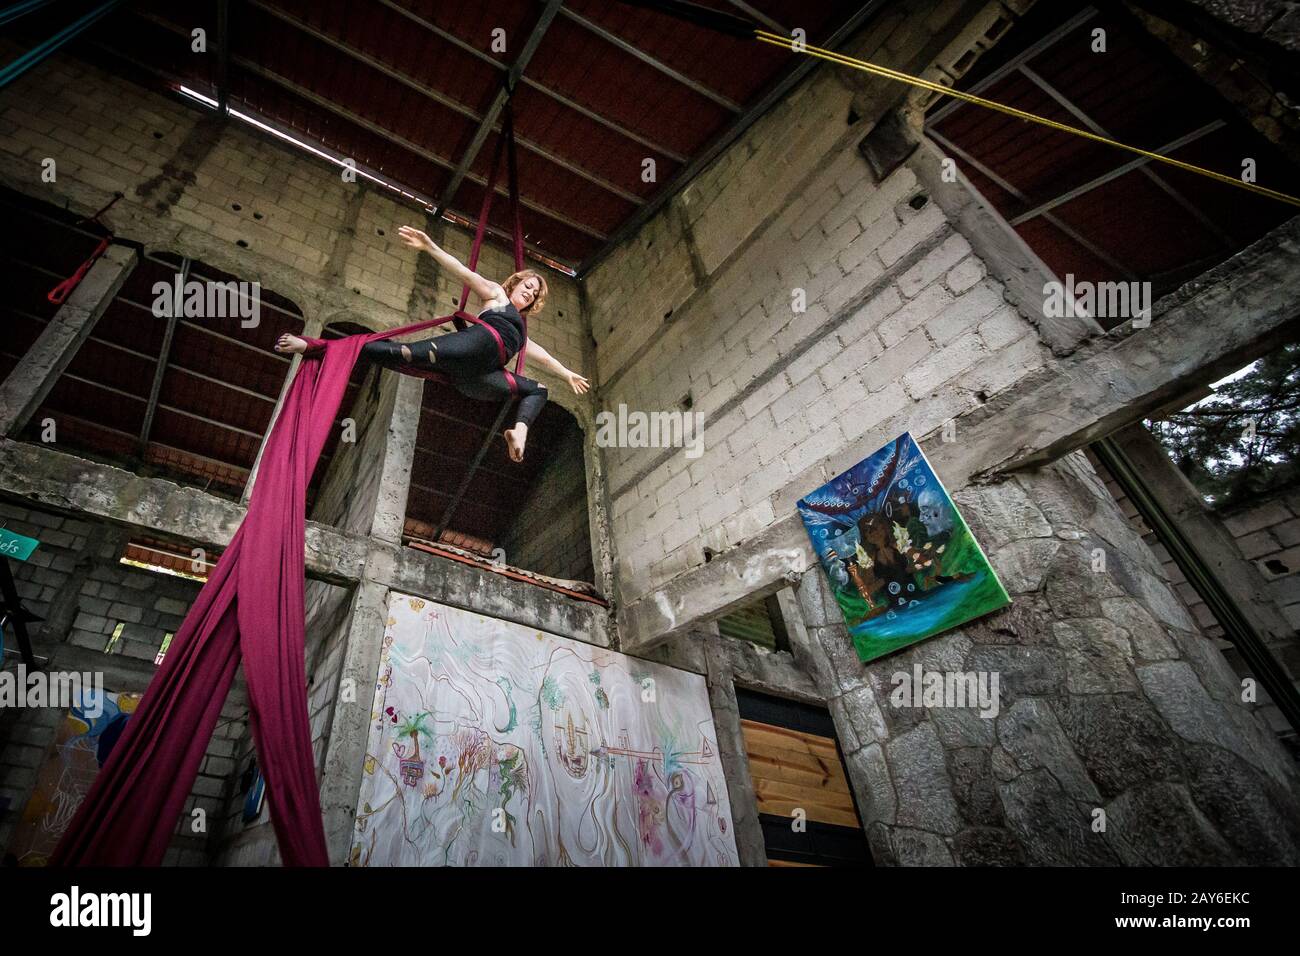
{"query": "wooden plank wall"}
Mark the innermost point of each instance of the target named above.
(791, 768)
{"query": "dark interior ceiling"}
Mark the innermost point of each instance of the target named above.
(1091, 210)
(411, 90)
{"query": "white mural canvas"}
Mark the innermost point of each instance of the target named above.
(495, 744)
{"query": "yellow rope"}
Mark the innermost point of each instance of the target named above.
(830, 55)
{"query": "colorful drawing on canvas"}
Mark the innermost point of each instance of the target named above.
(81, 745)
(495, 744)
(900, 559)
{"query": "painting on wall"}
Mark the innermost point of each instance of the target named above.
(496, 744)
(901, 562)
(81, 744)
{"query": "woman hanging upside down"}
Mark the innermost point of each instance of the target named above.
(475, 358)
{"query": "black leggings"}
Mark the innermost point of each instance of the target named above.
(471, 360)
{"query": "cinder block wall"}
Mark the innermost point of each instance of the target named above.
(76, 582)
(551, 534)
(329, 611)
(1268, 533)
(904, 328)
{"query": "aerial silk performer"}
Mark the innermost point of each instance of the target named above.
(474, 359)
(252, 604)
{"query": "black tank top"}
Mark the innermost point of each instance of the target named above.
(508, 323)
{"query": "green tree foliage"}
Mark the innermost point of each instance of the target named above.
(1242, 442)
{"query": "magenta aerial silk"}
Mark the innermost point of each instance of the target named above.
(253, 604)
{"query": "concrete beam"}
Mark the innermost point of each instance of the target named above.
(66, 483)
(1211, 326)
(30, 382)
(774, 558)
(63, 481)
(411, 571)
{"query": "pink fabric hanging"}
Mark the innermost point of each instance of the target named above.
(251, 605)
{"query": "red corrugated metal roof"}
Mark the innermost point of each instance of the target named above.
(1131, 226)
(400, 86)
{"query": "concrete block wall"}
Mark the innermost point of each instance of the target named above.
(552, 534)
(329, 615)
(45, 574)
(240, 843)
(76, 582)
(218, 776)
(904, 329)
(1268, 533)
(150, 606)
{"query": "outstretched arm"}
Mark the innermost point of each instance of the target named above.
(490, 292)
(536, 355)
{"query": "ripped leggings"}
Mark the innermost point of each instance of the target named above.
(471, 360)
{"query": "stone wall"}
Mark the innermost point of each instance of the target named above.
(1111, 700)
(1260, 531)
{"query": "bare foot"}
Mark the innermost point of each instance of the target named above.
(516, 438)
(290, 343)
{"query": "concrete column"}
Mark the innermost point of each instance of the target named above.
(30, 382)
(1119, 735)
(349, 733)
(602, 539)
(399, 457)
(311, 328)
(750, 845)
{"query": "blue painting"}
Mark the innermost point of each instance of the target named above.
(901, 562)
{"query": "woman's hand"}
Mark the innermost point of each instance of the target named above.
(576, 381)
(415, 238)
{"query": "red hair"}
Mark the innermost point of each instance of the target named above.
(540, 301)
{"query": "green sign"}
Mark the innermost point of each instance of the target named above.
(16, 546)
